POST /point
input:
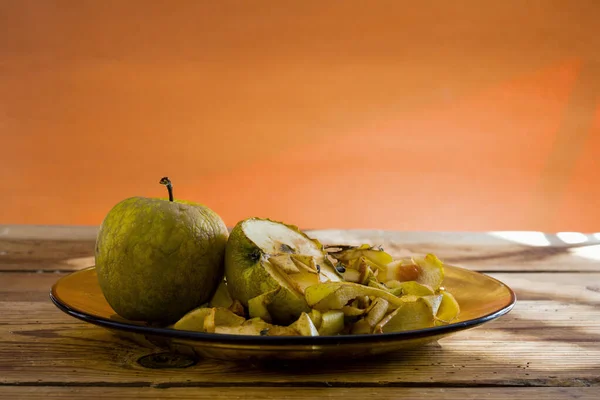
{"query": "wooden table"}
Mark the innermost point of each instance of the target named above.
(547, 347)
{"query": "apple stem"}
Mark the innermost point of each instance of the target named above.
(167, 182)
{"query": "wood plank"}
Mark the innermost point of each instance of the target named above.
(46, 254)
(540, 343)
(42, 392)
(27, 286)
(48, 232)
(71, 248)
(573, 288)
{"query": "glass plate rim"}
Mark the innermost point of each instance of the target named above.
(281, 340)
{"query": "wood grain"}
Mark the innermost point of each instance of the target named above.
(27, 286)
(567, 287)
(66, 249)
(540, 343)
(296, 393)
(45, 254)
(547, 346)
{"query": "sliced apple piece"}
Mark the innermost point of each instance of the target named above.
(415, 313)
(193, 320)
(401, 271)
(264, 255)
(335, 295)
(448, 310)
(284, 262)
(221, 317)
(258, 306)
(378, 285)
(256, 327)
(304, 326)
(377, 311)
(351, 275)
(306, 263)
(434, 302)
(316, 317)
(431, 271)
(350, 311)
(376, 256)
(237, 308)
(410, 288)
(332, 323)
(288, 302)
(361, 327)
(221, 297)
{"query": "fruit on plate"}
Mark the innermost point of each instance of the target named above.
(280, 282)
(269, 265)
(172, 263)
(158, 259)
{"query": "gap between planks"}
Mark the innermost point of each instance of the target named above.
(38, 392)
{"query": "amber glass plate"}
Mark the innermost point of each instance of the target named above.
(481, 299)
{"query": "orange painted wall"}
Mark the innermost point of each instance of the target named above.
(389, 115)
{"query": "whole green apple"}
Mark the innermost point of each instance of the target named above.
(157, 259)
